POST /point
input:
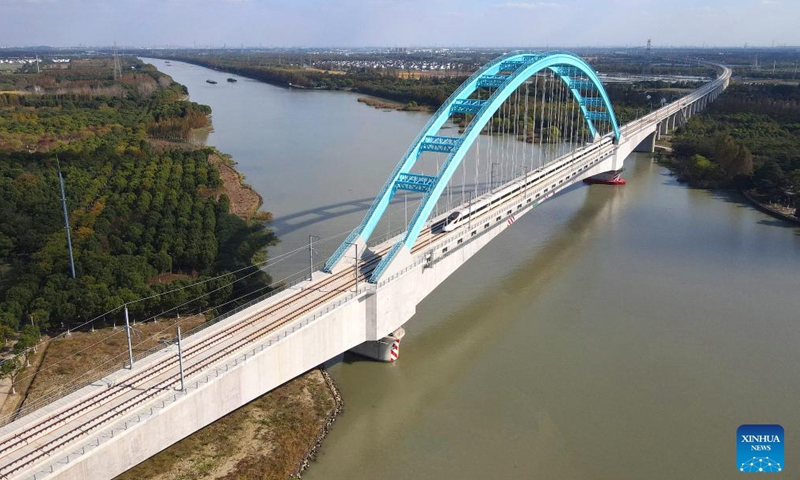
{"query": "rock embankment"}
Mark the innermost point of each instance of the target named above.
(334, 413)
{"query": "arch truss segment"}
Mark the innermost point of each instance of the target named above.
(502, 76)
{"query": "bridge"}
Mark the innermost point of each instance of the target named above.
(368, 289)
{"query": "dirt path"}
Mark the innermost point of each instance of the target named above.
(244, 200)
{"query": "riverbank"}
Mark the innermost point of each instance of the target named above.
(244, 201)
(781, 213)
(756, 201)
(384, 104)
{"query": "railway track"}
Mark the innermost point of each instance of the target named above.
(139, 382)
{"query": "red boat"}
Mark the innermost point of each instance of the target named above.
(607, 178)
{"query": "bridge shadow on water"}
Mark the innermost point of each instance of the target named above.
(287, 224)
(296, 221)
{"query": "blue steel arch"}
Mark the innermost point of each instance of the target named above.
(505, 74)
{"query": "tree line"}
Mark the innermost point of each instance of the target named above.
(749, 138)
(431, 92)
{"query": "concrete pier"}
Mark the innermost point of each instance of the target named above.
(387, 349)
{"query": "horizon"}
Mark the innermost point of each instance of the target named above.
(393, 23)
(409, 47)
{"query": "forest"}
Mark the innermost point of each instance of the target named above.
(749, 138)
(145, 217)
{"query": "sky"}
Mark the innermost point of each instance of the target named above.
(399, 23)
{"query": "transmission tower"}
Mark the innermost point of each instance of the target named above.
(117, 67)
(66, 218)
(646, 65)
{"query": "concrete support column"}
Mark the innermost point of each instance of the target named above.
(387, 349)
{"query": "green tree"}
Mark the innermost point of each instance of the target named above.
(770, 180)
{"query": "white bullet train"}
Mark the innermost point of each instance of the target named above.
(486, 202)
(530, 185)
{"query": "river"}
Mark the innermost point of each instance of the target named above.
(613, 333)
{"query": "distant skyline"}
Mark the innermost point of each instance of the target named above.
(406, 23)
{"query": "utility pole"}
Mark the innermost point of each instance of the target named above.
(405, 194)
(311, 256)
(66, 219)
(117, 67)
(491, 187)
(525, 193)
(355, 265)
(180, 359)
(469, 222)
(128, 334)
